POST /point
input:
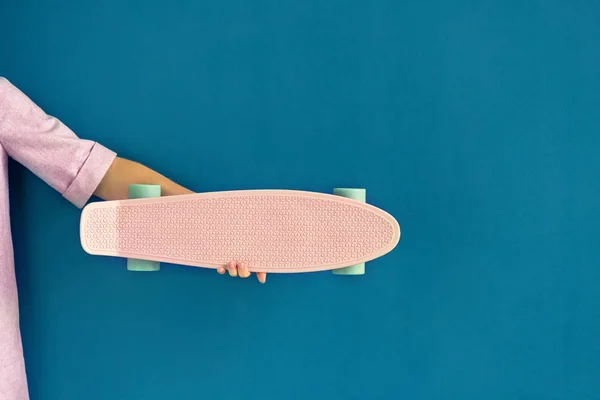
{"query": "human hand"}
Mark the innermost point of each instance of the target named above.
(241, 269)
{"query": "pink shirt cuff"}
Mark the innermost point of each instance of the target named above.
(90, 175)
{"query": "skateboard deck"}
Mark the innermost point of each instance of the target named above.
(274, 231)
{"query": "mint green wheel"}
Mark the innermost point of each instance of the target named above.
(143, 192)
(359, 195)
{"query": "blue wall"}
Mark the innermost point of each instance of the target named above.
(476, 124)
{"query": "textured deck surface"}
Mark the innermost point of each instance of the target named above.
(272, 231)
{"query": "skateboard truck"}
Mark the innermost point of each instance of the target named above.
(359, 195)
(143, 192)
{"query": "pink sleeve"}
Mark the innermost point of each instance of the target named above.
(43, 144)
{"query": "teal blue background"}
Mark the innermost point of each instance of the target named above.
(475, 123)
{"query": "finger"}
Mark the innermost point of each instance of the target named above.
(262, 277)
(221, 270)
(232, 268)
(243, 270)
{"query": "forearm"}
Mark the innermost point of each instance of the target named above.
(124, 172)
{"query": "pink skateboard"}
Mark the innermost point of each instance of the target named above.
(274, 231)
